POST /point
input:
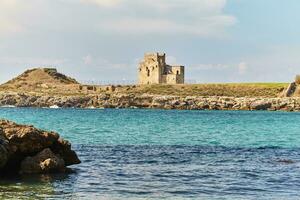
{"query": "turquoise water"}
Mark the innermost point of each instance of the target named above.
(160, 127)
(167, 154)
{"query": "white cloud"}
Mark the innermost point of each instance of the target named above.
(196, 17)
(101, 63)
(7, 27)
(164, 5)
(210, 67)
(9, 22)
(204, 18)
(212, 26)
(242, 68)
(102, 2)
(87, 59)
(32, 62)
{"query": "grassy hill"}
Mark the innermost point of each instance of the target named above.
(41, 80)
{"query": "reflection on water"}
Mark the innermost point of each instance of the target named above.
(30, 186)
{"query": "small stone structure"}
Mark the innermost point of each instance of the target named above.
(154, 70)
(96, 88)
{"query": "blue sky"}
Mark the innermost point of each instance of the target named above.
(103, 40)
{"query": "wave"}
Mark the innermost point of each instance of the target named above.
(8, 106)
(54, 107)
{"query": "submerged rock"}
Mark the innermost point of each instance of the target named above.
(286, 161)
(26, 149)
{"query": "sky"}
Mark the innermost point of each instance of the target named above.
(103, 40)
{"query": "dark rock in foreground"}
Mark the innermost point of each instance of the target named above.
(25, 149)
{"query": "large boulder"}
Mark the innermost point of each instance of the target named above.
(44, 162)
(63, 148)
(260, 105)
(27, 149)
(27, 139)
(3, 150)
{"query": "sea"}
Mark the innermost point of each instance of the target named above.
(166, 154)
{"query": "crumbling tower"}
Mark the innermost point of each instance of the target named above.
(154, 70)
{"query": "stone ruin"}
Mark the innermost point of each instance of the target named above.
(154, 70)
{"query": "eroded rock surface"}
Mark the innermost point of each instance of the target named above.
(3, 150)
(153, 101)
(44, 162)
(26, 149)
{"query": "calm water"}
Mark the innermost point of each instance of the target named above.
(156, 154)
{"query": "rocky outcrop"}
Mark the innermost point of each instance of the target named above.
(291, 89)
(152, 101)
(3, 150)
(263, 104)
(25, 149)
(44, 162)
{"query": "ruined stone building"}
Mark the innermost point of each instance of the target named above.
(154, 70)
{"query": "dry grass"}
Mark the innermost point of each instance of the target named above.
(49, 82)
(229, 89)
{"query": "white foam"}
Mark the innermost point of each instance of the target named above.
(54, 107)
(8, 106)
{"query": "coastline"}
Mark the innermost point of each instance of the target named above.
(150, 102)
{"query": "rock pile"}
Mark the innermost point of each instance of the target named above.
(152, 101)
(27, 150)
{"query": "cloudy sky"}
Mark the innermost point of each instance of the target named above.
(103, 40)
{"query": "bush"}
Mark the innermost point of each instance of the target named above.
(297, 79)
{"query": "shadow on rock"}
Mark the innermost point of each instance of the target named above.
(28, 150)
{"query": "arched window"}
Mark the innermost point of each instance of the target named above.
(177, 72)
(148, 72)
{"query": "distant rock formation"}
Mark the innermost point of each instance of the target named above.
(293, 88)
(27, 150)
(43, 78)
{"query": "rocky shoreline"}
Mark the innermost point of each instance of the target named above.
(27, 150)
(151, 101)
